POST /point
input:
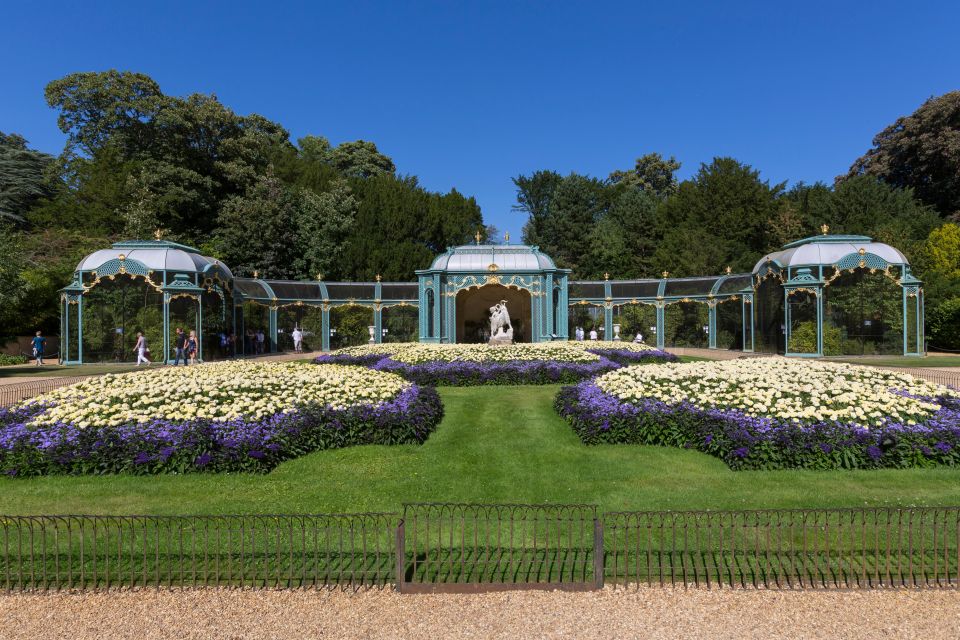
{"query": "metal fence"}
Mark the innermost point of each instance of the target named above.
(467, 547)
(11, 394)
(109, 552)
(472, 548)
(939, 376)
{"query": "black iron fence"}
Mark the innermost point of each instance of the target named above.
(468, 548)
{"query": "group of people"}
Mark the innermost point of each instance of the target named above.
(186, 346)
(255, 342)
(580, 334)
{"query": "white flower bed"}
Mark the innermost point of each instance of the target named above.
(418, 353)
(219, 392)
(783, 388)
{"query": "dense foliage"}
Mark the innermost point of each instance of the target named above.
(232, 185)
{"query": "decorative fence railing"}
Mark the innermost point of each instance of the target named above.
(469, 548)
(939, 376)
(13, 393)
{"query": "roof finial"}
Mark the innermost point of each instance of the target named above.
(824, 228)
(158, 234)
(606, 276)
(256, 274)
(478, 236)
(665, 274)
(506, 237)
(729, 270)
(319, 277)
(378, 277)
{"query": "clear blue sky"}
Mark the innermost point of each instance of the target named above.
(468, 96)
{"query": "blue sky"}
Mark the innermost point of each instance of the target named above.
(469, 95)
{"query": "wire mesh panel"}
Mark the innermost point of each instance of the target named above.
(796, 549)
(11, 394)
(110, 552)
(460, 547)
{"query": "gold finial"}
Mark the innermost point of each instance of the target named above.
(158, 234)
(256, 274)
(506, 237)
(319, 276)
(606, 276)
(378, 277)
(665, 274)
(478, 236)
(824, 228)
(729, 270)
(122, 257)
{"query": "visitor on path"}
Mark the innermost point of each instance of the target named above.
(261, 341)
(639, 338)
(180, 347)
(593, 335)
(297, 336)
(224, 344)
(38, 343)
(192, 347)
(141, 349)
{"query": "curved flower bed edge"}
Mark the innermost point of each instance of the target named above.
(238, 445)
(746, 442)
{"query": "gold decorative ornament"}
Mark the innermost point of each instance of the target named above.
(506, 237)
(477, 237)
(665, 274)
(824, 228)
(729, 270)
(377, 277)
(493, 267)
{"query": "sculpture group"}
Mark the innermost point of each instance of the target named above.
(501, 331)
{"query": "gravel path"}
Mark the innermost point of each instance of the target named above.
(647, 613)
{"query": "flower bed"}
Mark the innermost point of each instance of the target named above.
(232, 416)
(772, 413)
(477, 364)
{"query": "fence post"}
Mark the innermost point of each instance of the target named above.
(401, 556)
(598, 552)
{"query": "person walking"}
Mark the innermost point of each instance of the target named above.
(192, 347)
(38, 343)
(593, 335)
(180, 344)
(261, 341)
(141, 349)
(639, 338)
(297, 336)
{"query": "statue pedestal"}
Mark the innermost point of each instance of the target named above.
(500, 341)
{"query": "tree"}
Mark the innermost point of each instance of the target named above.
(718, 218)
(941, 251)
(920, 151)
(23, 179)
(578, 203)
(257, 230)
(360, 159)
(12, 282)
(652, 173)
(534, 194)
(324, 221)
(140, 213)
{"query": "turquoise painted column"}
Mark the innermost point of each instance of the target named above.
(437, 310)
(548, 303)
(273, 330)
(712, 325)
(199, 330)
(64, 327)
(166, 328)
(661, 332)
(607, 310)
(819, 296)
(377, 323)
(325, 327)
(80, 328)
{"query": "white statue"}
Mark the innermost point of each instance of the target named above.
(501, 331)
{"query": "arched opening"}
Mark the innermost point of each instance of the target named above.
(114, 311)
(730, 324)
(350, 325)
(863, 314)
(802, 315)
(399, 323)
(473, 312)
(636, 318)
(768, 306)
(686, 324)
(307, 318)
(587, 317)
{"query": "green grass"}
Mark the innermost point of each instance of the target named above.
(55, 370)
(496, 444)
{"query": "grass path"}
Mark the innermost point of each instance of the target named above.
(496, 444)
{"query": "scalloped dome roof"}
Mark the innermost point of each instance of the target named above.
(828, 250)
(158, 255)
(506, 257)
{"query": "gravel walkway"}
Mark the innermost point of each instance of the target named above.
(647, 613)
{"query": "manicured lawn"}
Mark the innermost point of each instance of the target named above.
(55, 370)
(496, 444)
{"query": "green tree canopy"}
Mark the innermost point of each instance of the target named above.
(652, 173)
(23, 177)
(920, 151)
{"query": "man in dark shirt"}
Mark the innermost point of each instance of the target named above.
(180, 344)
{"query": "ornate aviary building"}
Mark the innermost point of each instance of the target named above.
(823, 295)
